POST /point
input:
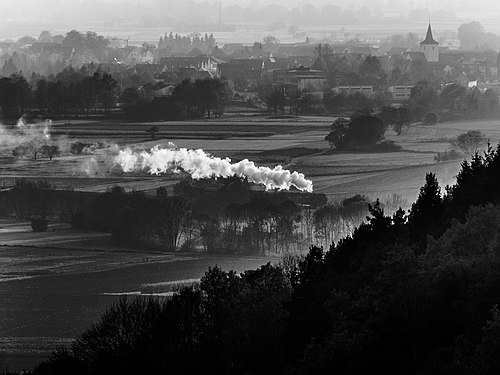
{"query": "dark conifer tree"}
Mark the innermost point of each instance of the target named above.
(426, 211)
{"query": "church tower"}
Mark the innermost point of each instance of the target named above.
(430, 47)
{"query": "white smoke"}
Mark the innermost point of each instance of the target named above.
(200, 165)
(24, 133)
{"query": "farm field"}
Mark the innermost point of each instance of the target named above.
(296, 143)
(55, 286)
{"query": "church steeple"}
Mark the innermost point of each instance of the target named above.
(429, 47)
(429, 39)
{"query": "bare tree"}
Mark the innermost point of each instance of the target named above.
(50, 151)
(470, 142)
(152, 132)
(30, 149)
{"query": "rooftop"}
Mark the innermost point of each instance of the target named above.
(429, 39)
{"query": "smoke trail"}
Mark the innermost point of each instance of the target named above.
(199, 165)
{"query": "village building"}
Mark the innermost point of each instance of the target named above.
(366, 90)
(201, 63)
(400, 93)
(300, 81)
(240, 70)
(430, 47)
(140, 55)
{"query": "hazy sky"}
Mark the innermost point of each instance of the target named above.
(28, 17)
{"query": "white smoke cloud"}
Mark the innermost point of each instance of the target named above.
(200, 165)
(24, 133)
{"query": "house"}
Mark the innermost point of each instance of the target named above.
(199, 63)
(300, 49)
(139, 55)
(414, 56)
(495, 86)
(396, 51)
(400, 93)
(114, 67)
(239, 70)
(192, 74)
(170, 77)
(220, 55)
(159, 89)
(365, 50)
(279, 63)
(148, 69)
(229, 48)
(349, 90)
(300, 81)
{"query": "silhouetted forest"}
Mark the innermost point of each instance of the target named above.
(412, 293)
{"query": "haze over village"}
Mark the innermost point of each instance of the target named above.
(249, 187)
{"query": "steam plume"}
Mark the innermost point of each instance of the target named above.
(199, 165)
(24, 133)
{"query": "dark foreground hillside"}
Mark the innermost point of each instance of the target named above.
(415, 293)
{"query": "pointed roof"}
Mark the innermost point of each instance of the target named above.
(429, 39)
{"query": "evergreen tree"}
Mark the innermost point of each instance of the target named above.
(426, 211)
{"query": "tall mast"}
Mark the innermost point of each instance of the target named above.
(220, 13)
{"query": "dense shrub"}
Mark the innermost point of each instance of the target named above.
(385, 146)
(361, 133)
(431, 118)
(448, 155)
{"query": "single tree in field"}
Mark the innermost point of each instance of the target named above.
(276, 101)
(469, 143)
(50, 151)
(397, 118)
(152, 132)
(364, 131)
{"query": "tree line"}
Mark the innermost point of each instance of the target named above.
(203, 97)
(68, 93)
(220, 217)
(82, 93)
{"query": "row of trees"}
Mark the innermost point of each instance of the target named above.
(74, 92)
(406, 293)
(277, 102)
(70, 92)
(178, 45)
(190, 99)
(225, 217)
